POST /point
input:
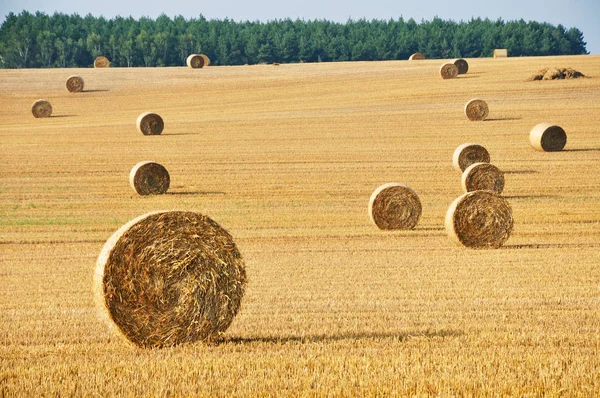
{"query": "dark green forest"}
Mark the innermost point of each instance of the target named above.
(45, 41)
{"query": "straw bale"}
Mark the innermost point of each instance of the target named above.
(101, 62)
(416, 57)
(547, 137)
(462, 65)
(41, 108)
(477, 110)
(149, 123)
(195, 61)
(483, 177)
(448, 71)
(500, 53)
(479, 220)
(149, 178)
(206, 59)
(395, 206)
(75, 84)
(467, 154)
(169, 277)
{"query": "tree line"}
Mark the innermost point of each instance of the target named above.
(45, 41)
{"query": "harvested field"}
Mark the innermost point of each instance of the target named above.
(285, 159)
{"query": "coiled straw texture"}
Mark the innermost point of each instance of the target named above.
(149, 123)
(476, 110)
(448, 71)
(395, 206)
(75, 84)
(41, 108)
(483, 177)
(467, 154)
(149, 178)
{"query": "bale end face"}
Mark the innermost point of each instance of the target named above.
(448, 71)
(170, 277)
(479, 220)
(395, 206)
(195, 61)
(467, 154)
(547, 137)
(149, 178)
(483, 177)
(75, 84)
(149, 123)
(462, 65)
(101, 62)
(41, 108)
(476, 110)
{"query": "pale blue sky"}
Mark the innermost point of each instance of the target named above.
(582, 14)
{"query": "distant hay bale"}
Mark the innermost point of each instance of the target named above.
(206, 59)
(169, 277)
(41, 108)
(500, 53)
(483, 177)
(416, 57)
(195, 61)
(149, 123)
(275, 63)
(467, 154)
(462, 65)
(555, 74)
(149, 178)
(479, 220)
(75, 84)
(395, 206)
(547, 137)
(448, 71)
(477, 110)
(101, 62)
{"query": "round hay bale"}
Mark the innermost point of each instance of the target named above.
(41, 108)
(448, 71)
(462, 65)
(479, 220)
(483, 177)
(195, 61)
(416, 57)
(75, 84)
(149, 123)
(149, 178)
(206, 59)
(101, 62)
(477, 110)
(467, 154)
(547, 137)
(395, 206)
(170, 277)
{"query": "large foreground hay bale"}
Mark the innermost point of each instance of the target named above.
(395, 206)
(75, 84)
(477, 110)
(195, 61)
(462, 65)
(479, 220)
(547, 137)
(416, 57)
(206, 59)
(101, 62)
(500, 53)
(483, 177)
(149, 123)
(170, 277)
(448, 71)
(149, 178)
(41, 108)
(467, 154)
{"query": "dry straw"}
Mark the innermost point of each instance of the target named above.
(149, 123)
(467, 154)
(101, 62)
(41, 108)
(206, 59)
(75, 84)
(477, 110)
(395, 206)
(195, 61)
(479, 220)
(448, 71)
(170, 277)
(149, 178)
(547, 137)
(483, 177)
(500, 53)
(462, 65)
(555, 73)
(416, 57)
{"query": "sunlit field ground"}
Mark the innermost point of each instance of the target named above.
(286, 158)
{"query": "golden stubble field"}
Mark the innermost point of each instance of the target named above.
(286, 158)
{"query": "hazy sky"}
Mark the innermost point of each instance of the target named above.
(582, 14)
